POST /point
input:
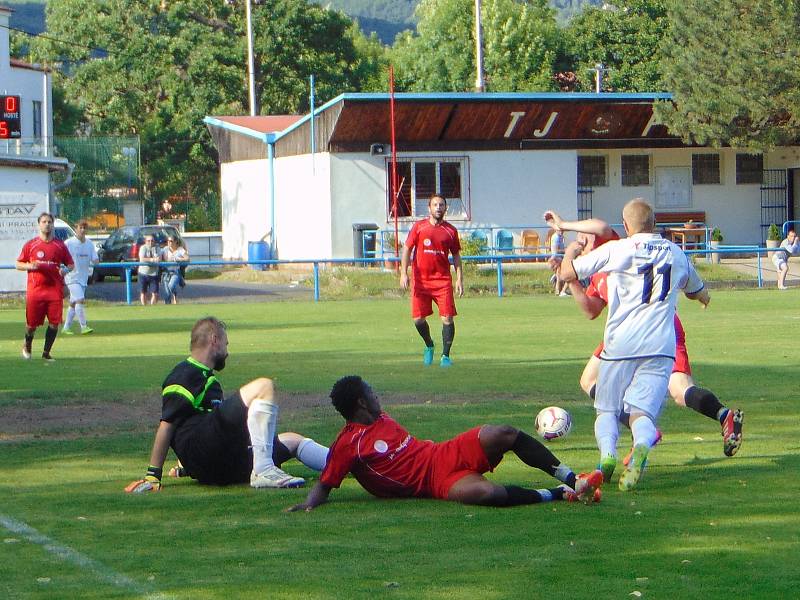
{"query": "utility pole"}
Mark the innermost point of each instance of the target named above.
(599, 70)
(480, 85)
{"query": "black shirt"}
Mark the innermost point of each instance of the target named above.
(189, 391)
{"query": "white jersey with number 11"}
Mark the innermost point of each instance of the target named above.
(645, 275)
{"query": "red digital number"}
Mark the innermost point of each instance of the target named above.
(4, 129)
(11, 104)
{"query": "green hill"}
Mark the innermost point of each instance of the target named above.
(384, 17)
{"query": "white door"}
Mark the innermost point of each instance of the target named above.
(673, 187)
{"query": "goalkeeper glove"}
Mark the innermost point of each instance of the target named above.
(150, 483)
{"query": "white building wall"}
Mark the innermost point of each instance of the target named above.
(23, 197)
(358, 195)
(244, 188)
(735, 209)
(303, 206)
(511, 189)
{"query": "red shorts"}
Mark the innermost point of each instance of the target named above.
(37, 308)
(454, 459)
(423, 295)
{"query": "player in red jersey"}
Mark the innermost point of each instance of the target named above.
(391, 463)
(682, 387)
(43, 258)
(432, 240)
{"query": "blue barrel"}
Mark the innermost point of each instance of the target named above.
(258, 251)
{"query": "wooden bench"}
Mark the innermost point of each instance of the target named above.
(679, 218)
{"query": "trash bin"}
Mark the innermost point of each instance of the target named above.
(364, 240)
(258, 251)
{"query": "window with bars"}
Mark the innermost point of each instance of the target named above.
(705, 168)
(749, 168)
(420, 178)
(592, 171)
(37, 119)
(635, 169)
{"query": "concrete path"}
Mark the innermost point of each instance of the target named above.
(206, 291)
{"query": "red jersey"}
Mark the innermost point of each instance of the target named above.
(383, 457)
(46, 281)
(432, 244)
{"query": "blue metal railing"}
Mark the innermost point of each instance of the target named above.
(497, 259)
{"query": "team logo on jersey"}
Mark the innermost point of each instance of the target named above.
(380, 446)
(40, 254)
(426, 242)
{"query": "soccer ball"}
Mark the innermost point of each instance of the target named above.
(553, 423)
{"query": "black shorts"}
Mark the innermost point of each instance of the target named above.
(216, 448)
(148, 281)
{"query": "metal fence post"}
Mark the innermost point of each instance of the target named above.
(128, 284)
(316, 282)
(499, 277)
(760, 278)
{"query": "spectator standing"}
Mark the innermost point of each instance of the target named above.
(173, 277)
(150, 255)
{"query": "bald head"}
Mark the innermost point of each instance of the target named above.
(638, 217)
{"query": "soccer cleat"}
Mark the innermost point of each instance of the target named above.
(427, 356)
(732, 431)
(586, 484)
(634, 469)
(607, 466)
(627, 458)
(274, 477)
(26, 353)
(85, 330)
(570, 496)
(445, 362)
(65, 331)
(47, 358)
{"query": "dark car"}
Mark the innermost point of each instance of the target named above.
(123, 246)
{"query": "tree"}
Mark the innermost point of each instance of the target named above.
(733, 67)
(623, 35)
(521, 46)
(156, 69)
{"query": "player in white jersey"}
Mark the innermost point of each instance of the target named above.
(84, 254)
(645, 274)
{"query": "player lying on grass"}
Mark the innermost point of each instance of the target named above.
(390, 463)
(594, 298)
(645, 275)
(219, 440)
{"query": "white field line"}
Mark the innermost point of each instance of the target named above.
(67, 554)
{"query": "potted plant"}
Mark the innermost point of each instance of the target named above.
(773, 238)
(716, 239)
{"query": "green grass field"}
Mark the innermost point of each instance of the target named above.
(701, 525)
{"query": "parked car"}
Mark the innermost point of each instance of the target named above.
(123, 246)
(62, 230)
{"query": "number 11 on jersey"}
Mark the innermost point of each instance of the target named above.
(647, 290)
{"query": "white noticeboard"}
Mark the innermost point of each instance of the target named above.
(673, 187)
(18, 214)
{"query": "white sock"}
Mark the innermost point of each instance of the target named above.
(81, 312)
(312, 454)
(606, 432)
(644, 431)
(70, 317)
(262, 420)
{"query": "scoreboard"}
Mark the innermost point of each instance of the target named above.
(10, 121)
